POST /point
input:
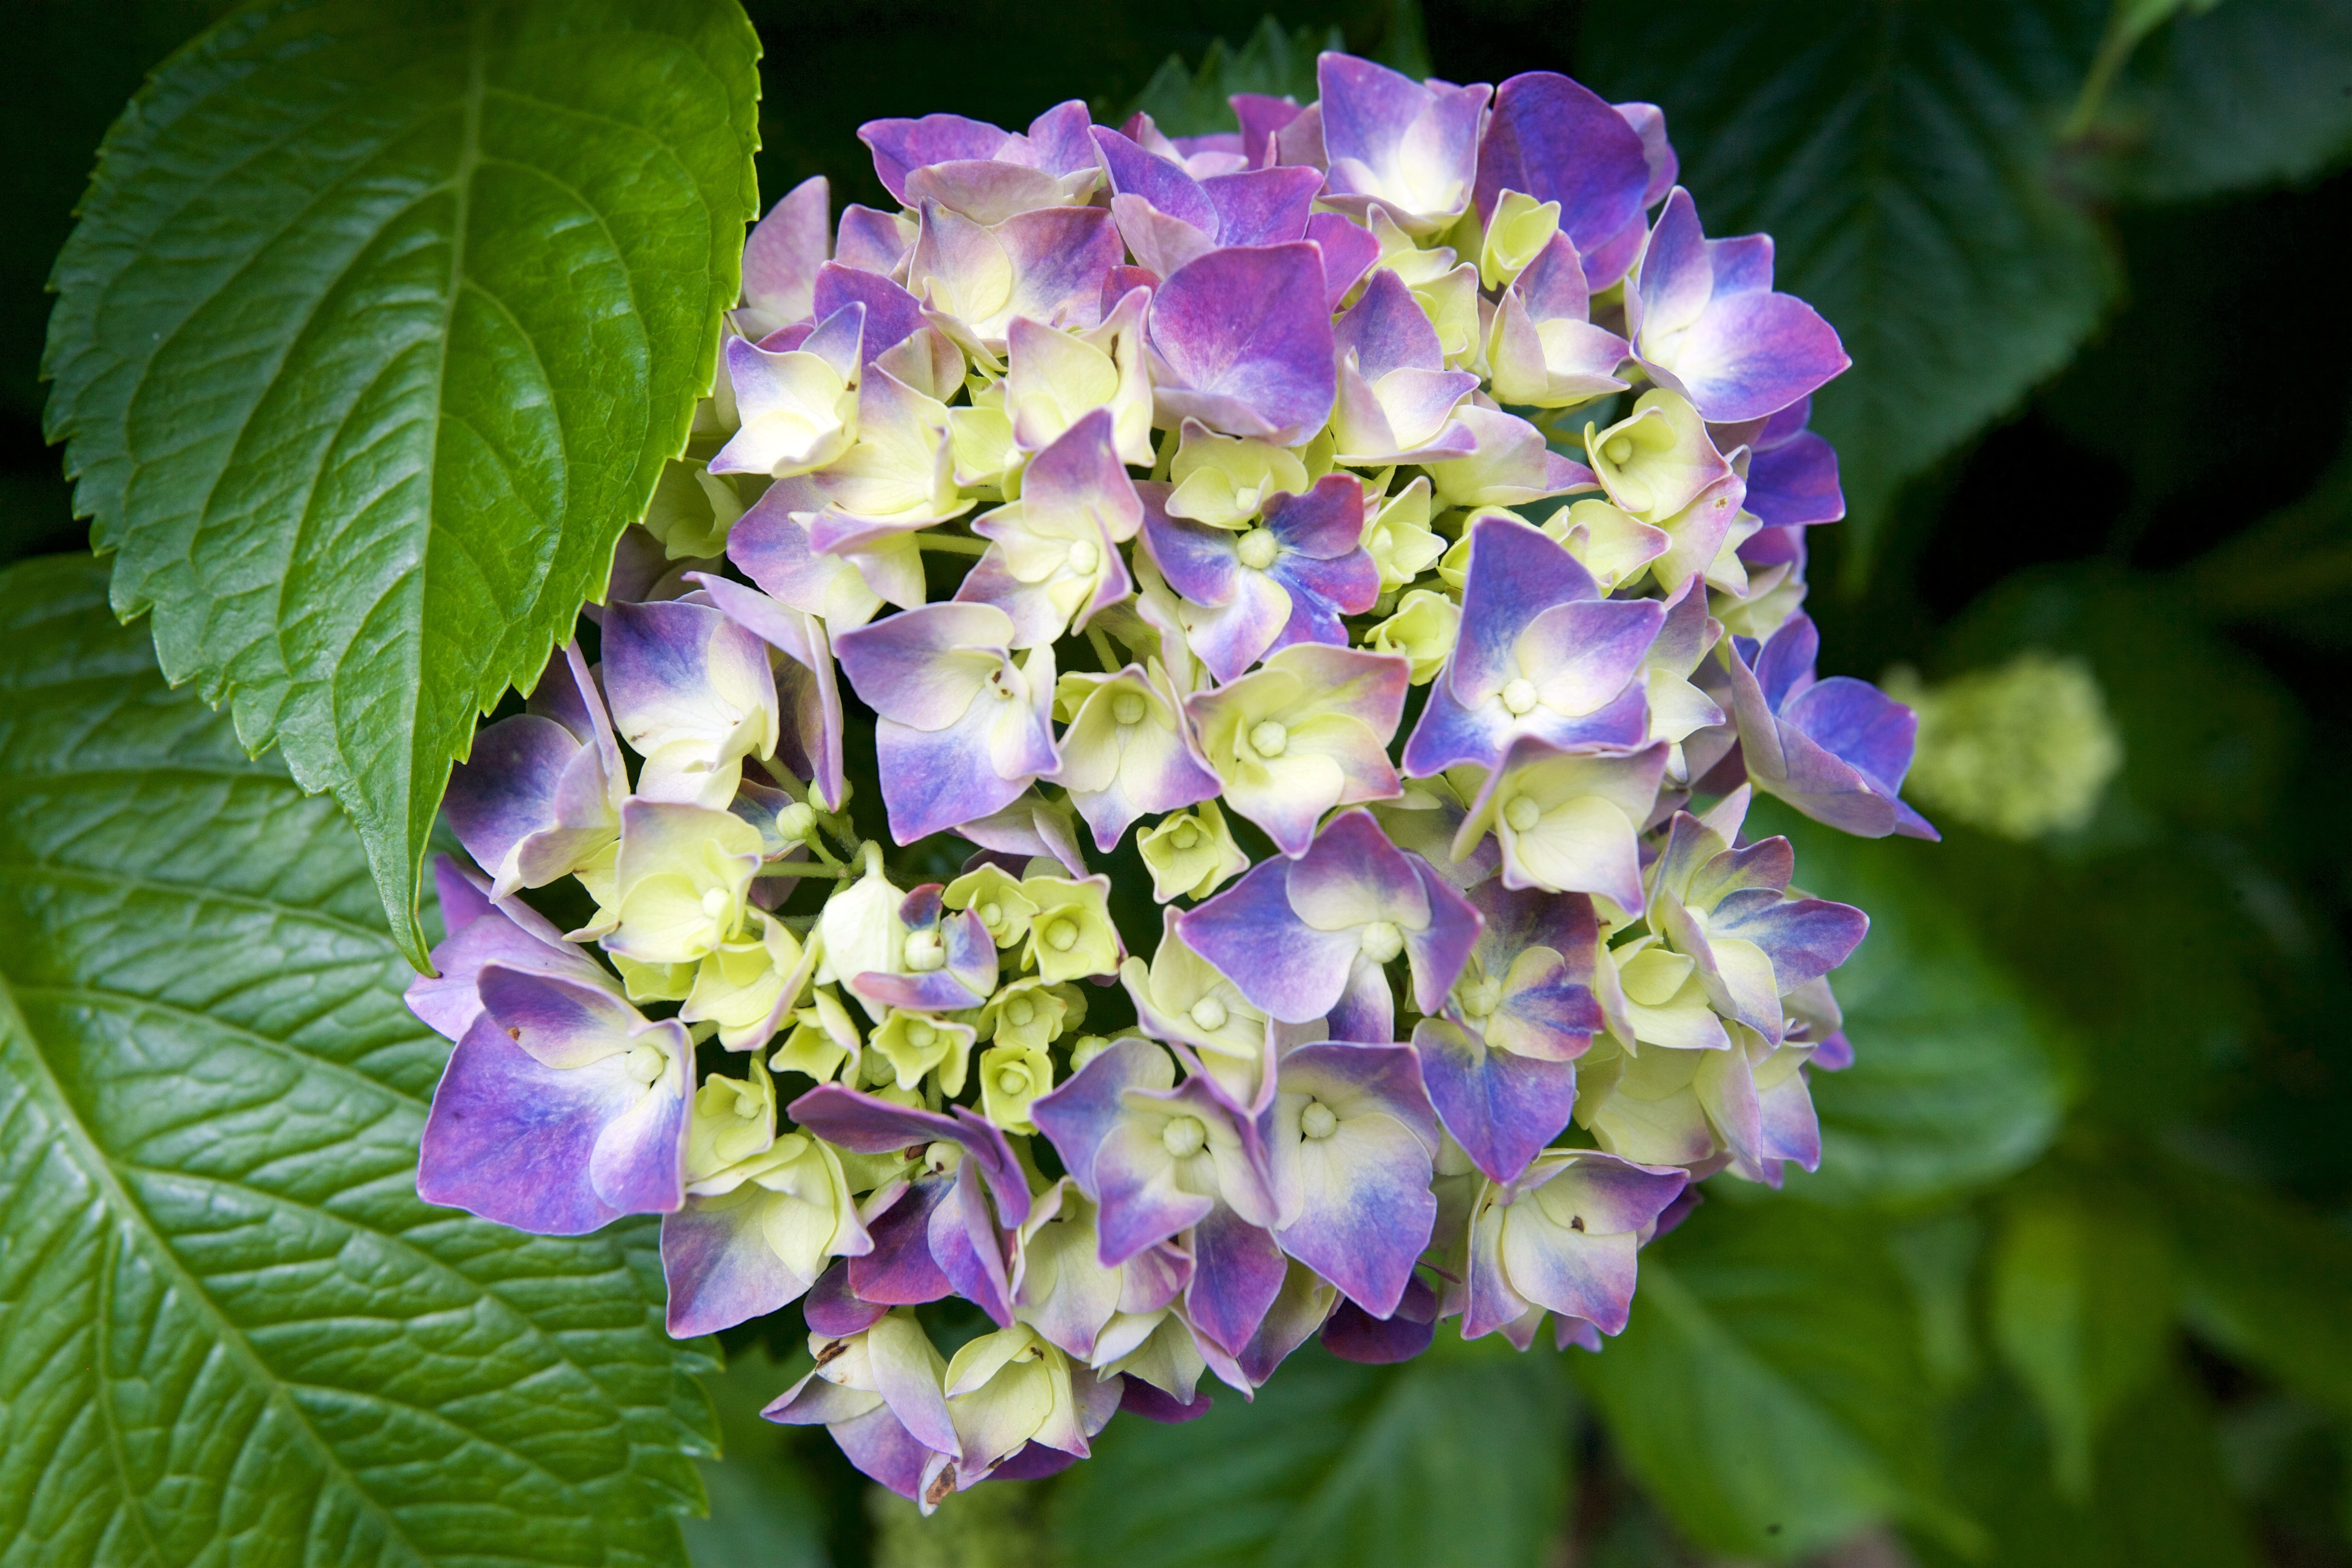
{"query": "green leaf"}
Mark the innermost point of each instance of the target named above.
(764, 1513)
(1900, 157)
(2082, 1310)
(1769, 1390)
(2250, 93)
(378, 325)
(1955, 1082)
(229, 1330)
(1459, 1457)
(2162, 1497)
(1274, 61)
(2266, 1282)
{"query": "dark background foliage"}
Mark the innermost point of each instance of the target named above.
(2076, 1285)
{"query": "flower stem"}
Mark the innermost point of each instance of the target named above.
(832, 872)
(951, 544)
(1101, 644)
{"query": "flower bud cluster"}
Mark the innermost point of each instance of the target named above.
(1392, 513)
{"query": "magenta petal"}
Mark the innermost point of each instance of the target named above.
(1243, 339)
(969, 1250)
(1348, 251)
(901, 146)
(1555, 140)
(864, 1124)
(1354, 1334)
(785, 249)
(512, 1140)
(891, 314)
(1168, 188)
(1139, 1398)
(720, 1270)
(1502, 1108)
(832, 1308)
(508, 936)
(1796, 483)
(869, 240)
(1752, 353)
(1261, 116)
(931, 781)
(1387, 330)
(881, 1449)
(1078, 1116)
(1237, 1272)
(901, 1270)
(1263, 206)
(1249, 934)
(1325, 523)
(1439, 950)
(1516, 573)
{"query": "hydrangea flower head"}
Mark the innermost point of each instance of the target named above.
(1113, 486)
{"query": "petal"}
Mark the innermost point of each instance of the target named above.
(1557, 142)
(1516, 573)
(1263, 206)
(718, 1265)
(1502, 1108)
(1243, 336)
(1251, 934)
(510, 1139)
(1387, 330)
(892, 314)
(1238, 1272)
(1752, 353)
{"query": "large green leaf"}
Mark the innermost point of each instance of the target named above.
(1900, 157)
(229, 1330)
(1769, 1390)
(378, 325)
(2267, 1282)
(2082, 1309)
(1955, 1083)
(1459, 1457)
(2246, 93)
(2162, 1495)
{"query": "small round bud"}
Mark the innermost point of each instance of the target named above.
(991, 914)
(920, 1035)
(714, 903)
(1184, 1136)
(1083, 556)
(1383, 941)
(1617, 449)
(1208, 1014)
(1258, 549)
(1522, 813)
(644, 1063)
(1519, 695)
(1317, 1120)
(795, 822)
(1012, 1080)
(1021, 1012)
(1267, 738)
(1126, 708)
(924, 951)
(1086, 1049)
(1062, 935)
(1479, 1001)
(1186, 837)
